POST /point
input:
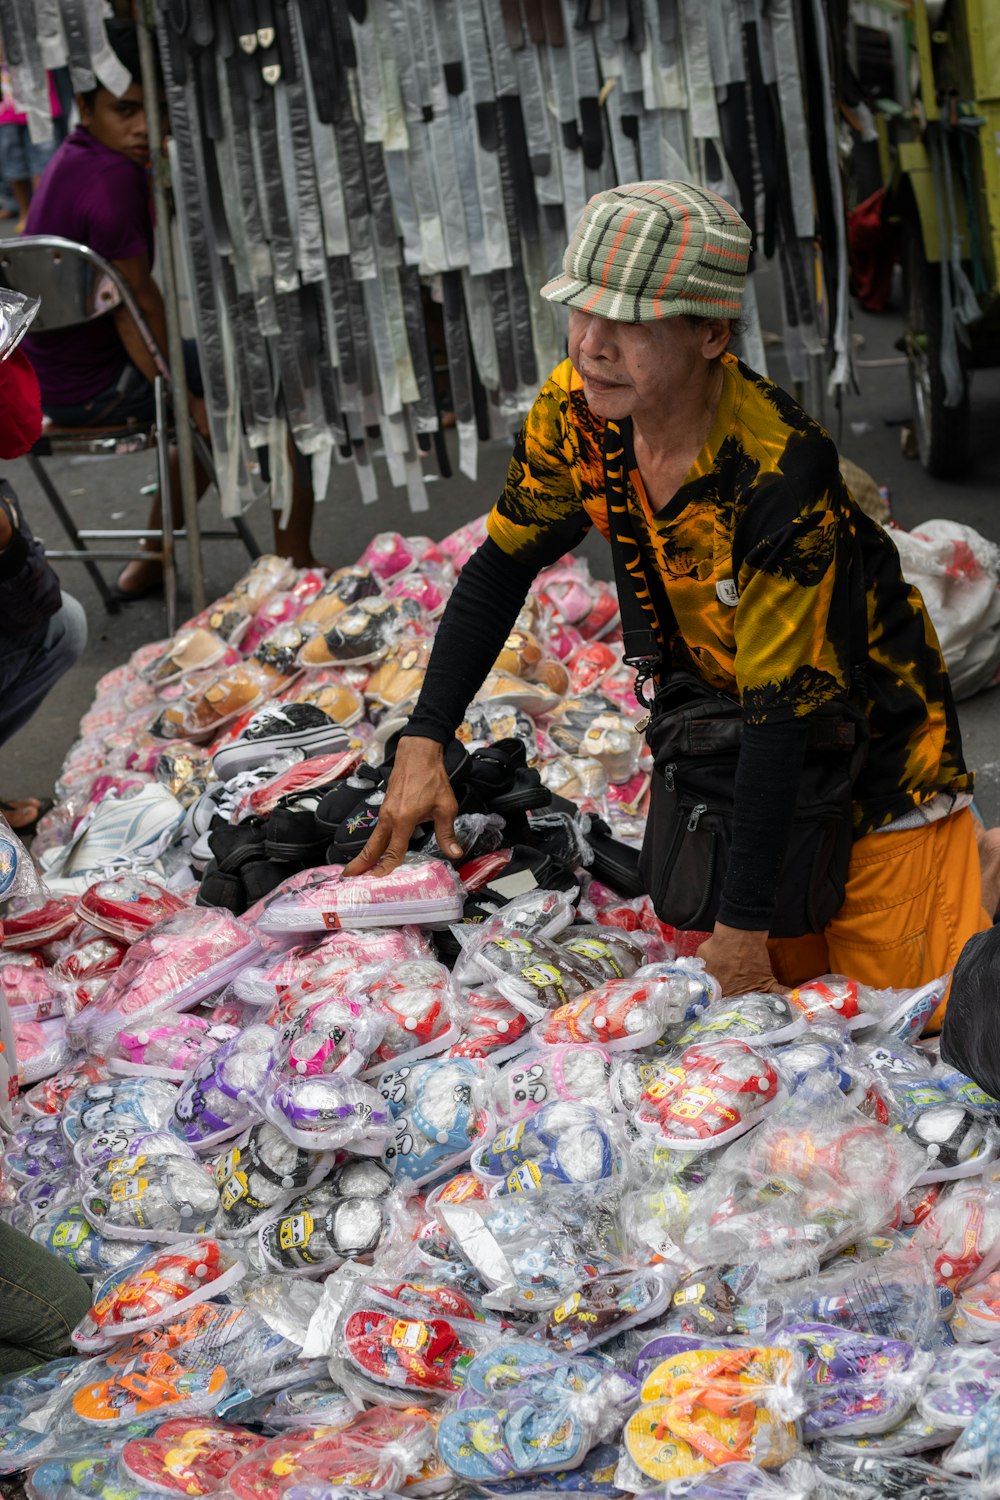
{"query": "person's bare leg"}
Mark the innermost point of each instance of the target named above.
(140, 576)
(294, 541)
(988, 842)
(21, 189)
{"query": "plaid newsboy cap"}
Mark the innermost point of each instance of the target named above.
(650, 250)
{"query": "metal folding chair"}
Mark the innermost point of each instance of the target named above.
(76, 285)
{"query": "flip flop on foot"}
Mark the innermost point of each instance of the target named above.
(25, 813)
(138, 580)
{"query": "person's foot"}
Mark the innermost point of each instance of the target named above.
(23, 813)
(139, 578)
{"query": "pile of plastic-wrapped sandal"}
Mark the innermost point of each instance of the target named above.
(462, 1180)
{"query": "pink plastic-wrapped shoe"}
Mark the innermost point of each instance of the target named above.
(183, 960)
(425, 893)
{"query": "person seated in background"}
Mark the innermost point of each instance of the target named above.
(96, 191)
(42, 630)
(22, 160)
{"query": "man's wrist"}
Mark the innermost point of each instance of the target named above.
(748, 937)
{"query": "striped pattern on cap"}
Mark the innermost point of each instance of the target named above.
(650, 250)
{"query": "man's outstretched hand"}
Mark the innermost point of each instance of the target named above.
(418, 792)
(739, 961)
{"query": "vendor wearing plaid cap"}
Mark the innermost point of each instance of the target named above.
(653, 279)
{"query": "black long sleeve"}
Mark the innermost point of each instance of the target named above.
(768, 774)
(480, 614)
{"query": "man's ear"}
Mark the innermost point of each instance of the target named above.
(717, 333)
(83, 105)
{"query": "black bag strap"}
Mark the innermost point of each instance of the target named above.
(640, 618)
(640, 615)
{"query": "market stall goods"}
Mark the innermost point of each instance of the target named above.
(462, 1177)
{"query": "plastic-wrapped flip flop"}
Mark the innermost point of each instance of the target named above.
(855, 1382)
(320, 1404)
(156, 1383)
(604, 1307)
(713, 1093)
(217, 1100)
(561, 1143)
(159, 1289)
(483, 1444)
(376, 1451)
(126, 906)
(260, 1174)
(710, 1407)
(164, 1199)
(573, 1072)
(188, 1455)
(409, 1353)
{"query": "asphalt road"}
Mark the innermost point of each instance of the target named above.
(867, 430)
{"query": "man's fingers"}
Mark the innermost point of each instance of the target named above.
(373, 850)
(444, 831)
(393, 855)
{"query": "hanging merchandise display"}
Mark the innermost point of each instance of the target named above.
(371, 192)
(460, 1176)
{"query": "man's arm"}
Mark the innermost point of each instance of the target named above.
(137, 272)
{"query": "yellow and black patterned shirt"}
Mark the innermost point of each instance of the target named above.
(774, 626)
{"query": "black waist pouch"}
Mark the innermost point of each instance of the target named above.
(694, 734)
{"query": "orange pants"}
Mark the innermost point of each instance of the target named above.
(913, 901)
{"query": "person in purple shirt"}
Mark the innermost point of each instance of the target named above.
(96, 191)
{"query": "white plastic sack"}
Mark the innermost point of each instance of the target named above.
(957, 572)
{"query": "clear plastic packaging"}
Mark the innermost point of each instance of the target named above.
(709, 1095)
(855, 1382)
(170, 1047)
(627, 1014)
(175, 965)
(329, 1113)
(158, 1290)
(424, 893)
(573, 1072)
(342, 1218)
(31, 921)
(126, 906)
(218, 1099)
(439, 1109)
(377, 1450)
(164, 1199)
(529, 1411)
(187, 1456)
(709, 1407)
(756, 1017)
(562, 1142)
(261, 1173)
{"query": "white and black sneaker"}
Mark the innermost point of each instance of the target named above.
(293, 726)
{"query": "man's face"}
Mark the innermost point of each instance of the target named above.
(118, 121)
(631, 369)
